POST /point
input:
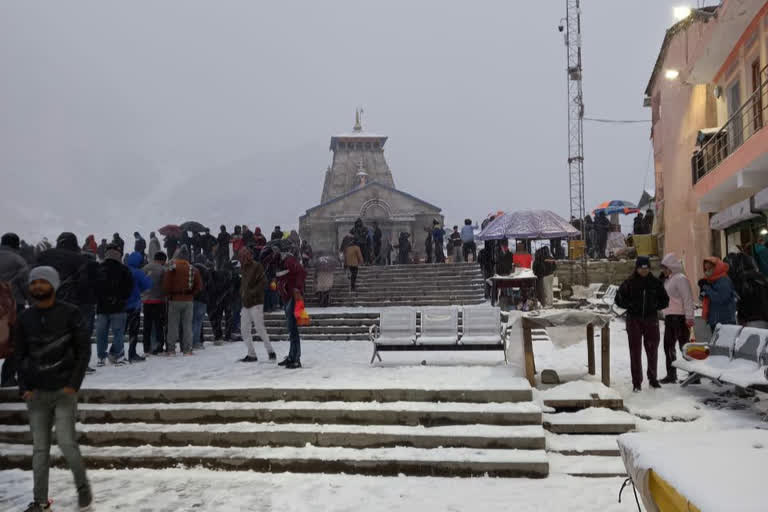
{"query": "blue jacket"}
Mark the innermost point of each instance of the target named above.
(438, 234)
(141, 281)
(468, 233)
(722, 301)
(761, 255)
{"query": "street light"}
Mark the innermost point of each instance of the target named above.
(681, 12)
(671, 74)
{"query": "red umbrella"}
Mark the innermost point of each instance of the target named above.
(171, 231)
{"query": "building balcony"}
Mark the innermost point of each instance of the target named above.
(731, 161)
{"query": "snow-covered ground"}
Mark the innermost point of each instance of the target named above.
(701, 408)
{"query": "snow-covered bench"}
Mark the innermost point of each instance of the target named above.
(607, 299)
(481, 330)
(737, 356)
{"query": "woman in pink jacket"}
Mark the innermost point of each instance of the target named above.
(678, 316)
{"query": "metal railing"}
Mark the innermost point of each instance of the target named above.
(750, 118)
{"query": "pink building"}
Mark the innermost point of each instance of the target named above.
(708, 94)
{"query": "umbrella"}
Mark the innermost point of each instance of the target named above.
(528, 224)
(171, 231)
(194, 227)
(616, 206)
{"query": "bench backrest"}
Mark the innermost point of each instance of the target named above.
(724, 339)
(750, 344)
(610, 293)
(481, 321)
(438, 321)
(397, 322)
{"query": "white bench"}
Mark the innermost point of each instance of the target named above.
(737, 356)
(607, 299)
(481, 330)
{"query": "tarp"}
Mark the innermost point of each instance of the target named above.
(567, 327)
(732, 215)
(528, 224)
(616, 206)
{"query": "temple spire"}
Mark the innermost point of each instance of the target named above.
(358, 125)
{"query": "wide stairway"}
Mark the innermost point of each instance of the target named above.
(447, 432)
(405, 285)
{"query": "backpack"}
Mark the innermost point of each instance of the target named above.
(7, 318)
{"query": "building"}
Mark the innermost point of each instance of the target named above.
(708, 92)
(359, 184)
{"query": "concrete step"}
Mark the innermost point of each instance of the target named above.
(404, 302)
(599, 445)
(309, 459)
(517, 390)
(591, 466)
(594, 420)
(298, 435)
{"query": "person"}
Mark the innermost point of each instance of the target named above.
(181, 283)
(576, 223)
(252, 286)
(77, 272)
(678, 316)
(222, 247)
(718, 297)
(113, 286)
(291, 277)
(248, 239)
(648, 222)
(643, 296)
(505, 260)
(154, 246)
(589, 236)
(468, 244)
(119, 242)
(219, 303)
(360, 234)
(638, 225)
(428, 245)
(522, 257)
(324, 276)
(404, 249)
(153, 300)
(237, 241)
(556, 248)
(751, 287)
(259, 240)
(377, 238)
(454, 242)
(90, 245)
(8, 314)
(171, 243)
(760, 253)
(200, 305)
(438, 237)
(486, 266)
(52, 350)
(207, 244)
(306, 253)
(13, 271)
(277, 234)
(601, 227)
(139, 244)
(102, 249)
(141, 283)
(353, 258)
(544, 267)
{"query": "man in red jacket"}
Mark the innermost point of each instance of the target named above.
(291, 276)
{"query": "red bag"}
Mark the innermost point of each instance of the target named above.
(300, 313)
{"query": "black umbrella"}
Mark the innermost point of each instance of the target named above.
(194, 227)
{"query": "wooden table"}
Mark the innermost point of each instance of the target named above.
(605, 350)
(498, 283)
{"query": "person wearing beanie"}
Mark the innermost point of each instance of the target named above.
(253, 285)
(139, 244)
(113, 286)
(181, 283)
(438, 237)
(678, 316)
(643, 296)
(52, 352)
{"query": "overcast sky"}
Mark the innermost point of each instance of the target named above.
(124, 115)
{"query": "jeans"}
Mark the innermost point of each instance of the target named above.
(155, 317)
(132, 325)
(643, 332)
(254, 317)
(294, 353)
(439, 254)
(198, 315)
(180, 317)
(105, 322)
(675, 332)
(470, 248)
(45, 409)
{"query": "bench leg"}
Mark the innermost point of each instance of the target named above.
(691, 377)
(375, 355)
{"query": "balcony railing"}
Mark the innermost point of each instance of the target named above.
(743, 124)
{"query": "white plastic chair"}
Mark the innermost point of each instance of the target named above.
(397, 326)
(482, 326)
(439, 326)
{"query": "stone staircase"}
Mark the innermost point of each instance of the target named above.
(447, 432)
(406, 285)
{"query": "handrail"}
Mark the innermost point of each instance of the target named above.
(748, 119)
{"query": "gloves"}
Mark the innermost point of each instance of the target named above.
(703, 283)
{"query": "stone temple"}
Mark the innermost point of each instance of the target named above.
(359, 184)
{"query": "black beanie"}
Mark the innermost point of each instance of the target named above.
(10, 240)
(642, 262)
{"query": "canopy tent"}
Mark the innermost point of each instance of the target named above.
(616, 206)
(528, 225)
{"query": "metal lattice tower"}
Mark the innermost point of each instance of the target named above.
(575, 108)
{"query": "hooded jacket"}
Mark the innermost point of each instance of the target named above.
(141, 281)
(253, 282)
(718, 295)
(353, 257)
(642, 297)
(291, 278)
(154, 295)
(76, 270)
(182, 280)
(678, 289)
(113, 285)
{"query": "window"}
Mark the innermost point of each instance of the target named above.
(736, 125)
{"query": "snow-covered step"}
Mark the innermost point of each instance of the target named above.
(516, 389)
(280, 411)
(308, 459)
(595, 420)
(566, 444)
(581, 394)
(587, 465)
(248, 434)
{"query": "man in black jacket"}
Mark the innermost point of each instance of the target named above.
(643, 296)
(52, 350)
(114, 284)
